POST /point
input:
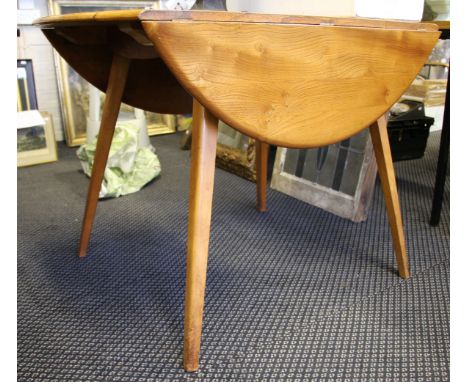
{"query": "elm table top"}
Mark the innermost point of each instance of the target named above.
(179, 54)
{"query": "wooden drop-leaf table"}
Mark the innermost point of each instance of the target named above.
(291, 81)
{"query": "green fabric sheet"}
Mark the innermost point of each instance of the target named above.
(128, 168)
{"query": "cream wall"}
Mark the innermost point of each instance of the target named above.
(297, 7)
(392, 9)
(33, 45)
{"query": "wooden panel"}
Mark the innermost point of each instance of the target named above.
(109, 17)
(146, 76)
(292, 85)
(336, 201)
(265, 53)
(247, 17)
(118, 16)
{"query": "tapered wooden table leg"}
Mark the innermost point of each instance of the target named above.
(261, 161)
(110, 112)
(383, 156)
(204, 136)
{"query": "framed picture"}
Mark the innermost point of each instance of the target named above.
(35, 138)
(26, 89)
(74, 90)
(235, 152)
(339, 178)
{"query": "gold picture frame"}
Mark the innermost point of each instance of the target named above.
(36, 144)
(235, 152)
(73, 89)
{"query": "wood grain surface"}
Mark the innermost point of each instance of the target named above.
(86, 18)
(110, 112)
(119, 16)
(248, 17)
(202, 171)
(261, 160)
(150, 86)
(305, 75)
(383, 156)
(292, 85)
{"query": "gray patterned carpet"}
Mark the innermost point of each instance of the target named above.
(296, 294)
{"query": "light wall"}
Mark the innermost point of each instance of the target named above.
(297, 7)
(33, 45)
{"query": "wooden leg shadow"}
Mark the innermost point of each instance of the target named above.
(383, 156)
(261, 162)
(204, 136)
(115, 88)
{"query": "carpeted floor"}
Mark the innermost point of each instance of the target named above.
(295, 294)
